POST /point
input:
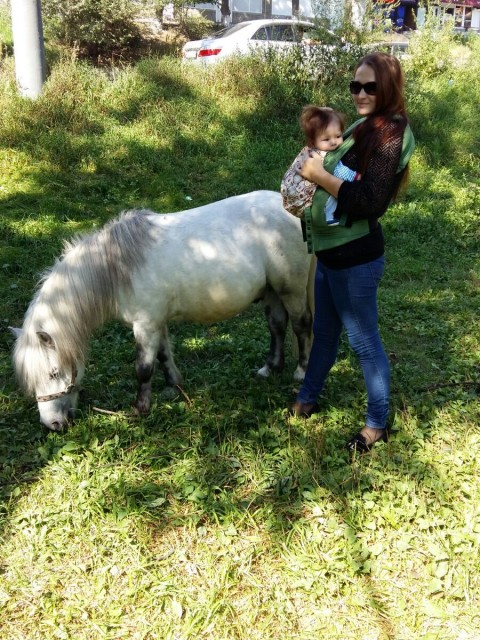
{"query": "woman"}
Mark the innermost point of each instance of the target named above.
(350, 256)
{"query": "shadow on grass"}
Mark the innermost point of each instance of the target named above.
(231, 452)
(225, 457)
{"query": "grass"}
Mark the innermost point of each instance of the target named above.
(216, 516)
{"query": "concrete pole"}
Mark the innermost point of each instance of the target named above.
(28, 46)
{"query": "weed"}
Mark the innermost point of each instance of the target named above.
(216, 516)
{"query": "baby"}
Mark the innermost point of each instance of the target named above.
(323, 128)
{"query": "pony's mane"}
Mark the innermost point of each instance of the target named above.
(79, 293)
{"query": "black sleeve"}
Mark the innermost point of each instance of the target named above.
(370, 196)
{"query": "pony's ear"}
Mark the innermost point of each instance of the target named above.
(46, 339)
(16, 332)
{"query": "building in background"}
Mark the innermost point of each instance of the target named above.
(403, 15)
(465, 14)
(407, 15)
(256, 9)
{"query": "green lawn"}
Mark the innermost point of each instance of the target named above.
(217, 516)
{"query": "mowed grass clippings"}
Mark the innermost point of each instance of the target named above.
(217, 516)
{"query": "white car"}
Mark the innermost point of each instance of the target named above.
(244, 37)
(398, 48)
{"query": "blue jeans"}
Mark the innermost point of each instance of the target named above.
(348, 298)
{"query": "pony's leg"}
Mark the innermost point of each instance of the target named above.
(148, 339)
(277, 319)
(302, 328)
(152, 343)
(301, 320)
(173, 377)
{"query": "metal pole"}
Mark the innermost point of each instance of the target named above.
(28, 46)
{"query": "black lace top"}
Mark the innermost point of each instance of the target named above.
(367, 198)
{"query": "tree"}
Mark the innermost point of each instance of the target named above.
(225, 11)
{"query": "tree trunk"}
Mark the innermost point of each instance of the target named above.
(225, 11)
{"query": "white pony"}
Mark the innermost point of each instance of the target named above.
(147, 269)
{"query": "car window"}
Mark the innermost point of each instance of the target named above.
(261, 34)
(276, 32)
(302, 33)
(282, 33)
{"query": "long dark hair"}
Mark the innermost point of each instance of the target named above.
(390, 104)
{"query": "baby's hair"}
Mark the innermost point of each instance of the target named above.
(314, 120)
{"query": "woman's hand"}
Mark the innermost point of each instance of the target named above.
(312, 168)
(314, 171)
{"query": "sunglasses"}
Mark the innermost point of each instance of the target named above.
(370, 88)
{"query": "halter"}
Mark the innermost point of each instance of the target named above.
(60, 394)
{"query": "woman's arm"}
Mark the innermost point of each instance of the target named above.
(370, 196)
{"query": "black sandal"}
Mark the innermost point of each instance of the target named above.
(300, 410)
(359, 444)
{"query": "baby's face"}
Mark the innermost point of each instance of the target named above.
(330, 138)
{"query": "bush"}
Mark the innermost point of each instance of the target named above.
(430, 49)
(94, 27)
(305, 73)
(443, 100)
(195, 27)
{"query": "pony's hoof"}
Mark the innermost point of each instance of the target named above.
(264, 372)
(169, 393)
(299, 374)
(141, 409)
(301, 410)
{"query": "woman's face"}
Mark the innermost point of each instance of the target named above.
(364, 103)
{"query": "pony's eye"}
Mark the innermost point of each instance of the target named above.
(54, 374)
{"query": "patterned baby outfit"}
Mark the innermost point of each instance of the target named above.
(297, 193)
